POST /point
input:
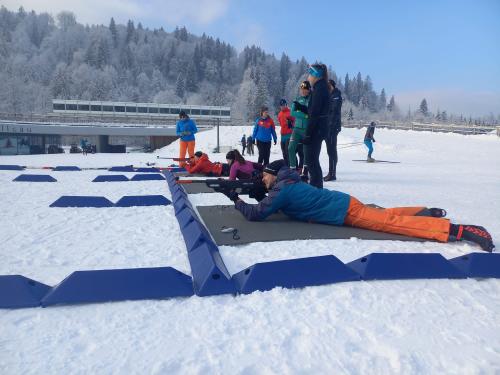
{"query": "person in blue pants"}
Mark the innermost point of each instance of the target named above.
(369, 139)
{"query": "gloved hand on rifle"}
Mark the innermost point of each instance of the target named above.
(300, 107)
(231, 194)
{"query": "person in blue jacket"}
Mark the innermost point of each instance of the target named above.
(263, 132)
(301, 201)
(186, 129)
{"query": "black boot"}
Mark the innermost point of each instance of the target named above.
(329, 177)
(305, 175)
(473, 233)
(432, 212)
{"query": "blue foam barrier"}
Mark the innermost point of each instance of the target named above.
(177, 169)
(120, 285)
(294, 273)
(180, 204)
(66, 168)
(390, 266)
(18, 291)
(147, 177)
(142, 200)
(34, 178)
(147, 170)
(210, 276)
(126, 168)
(478, 264)
(110, 178)
(82, 201)
(10, 167)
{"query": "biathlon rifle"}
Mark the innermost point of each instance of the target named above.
(254, 188)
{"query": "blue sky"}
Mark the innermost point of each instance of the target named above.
(447, 51)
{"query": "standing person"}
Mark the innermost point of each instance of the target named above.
(286, 122)
(300, 113)
(83, 144)
(319, 105)
(369, 139)
(186, 129)
(250, 145)
(243, 144)
(334, 127)
(263, 132)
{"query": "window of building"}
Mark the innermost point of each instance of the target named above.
(71, 107)
(225, 113)
(143, 110)
(119, 108)
(175, 111)
(131, 109)
(205, 112)
(107, 108)
(164, 110)
(58, 107)
(195, 112)
(215, 112)
(153, 110)
(83, 107)
(96, 108)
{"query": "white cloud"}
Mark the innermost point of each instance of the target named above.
(467, 102)
(169, 12)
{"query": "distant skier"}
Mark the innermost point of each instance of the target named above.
(286, 122)
(186, 129)
(250, 142)
(263, 132)
(369, 140)
(243, 144)
(83, 145)
(334, 127)
(300, 201)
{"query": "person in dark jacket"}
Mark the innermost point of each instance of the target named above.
(334, 127)
(369, 140)
(263, 132)
(319, 105)
(301, 201)
(250, 143)
(243, 144)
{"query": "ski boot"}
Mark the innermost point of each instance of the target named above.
(473, 233)
(369, 159)
(329, 177)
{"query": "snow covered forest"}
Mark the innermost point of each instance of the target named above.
(42, 57)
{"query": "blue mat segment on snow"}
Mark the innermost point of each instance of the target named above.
(66, 168)
(126, 168)
(10, 167)
(391, 266)
(18, 291)
(177, 169)
(294, 273)
(34, 178)
(478, 264)
(147, 177)
(110, 178)
(142, 200)
(120, 285)
(147, 170)
(81, 201)
(210, 275)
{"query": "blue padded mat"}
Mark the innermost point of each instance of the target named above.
(478, 264)
(142, 200)
(147, 170)
(126, 168)
(35, 178)
(147, 177)
(110, 178)
(18, 291)
(66, 168)
(81, 201)
(120, 285)
(9, 167)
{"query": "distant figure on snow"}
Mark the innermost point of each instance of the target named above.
(369, 140)
(250, 142)
(263, 133)
(186, 129)
(243, 144)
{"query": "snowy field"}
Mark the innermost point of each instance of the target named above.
(385, 327)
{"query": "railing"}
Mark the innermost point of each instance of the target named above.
(441, 128)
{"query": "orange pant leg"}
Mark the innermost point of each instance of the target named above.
(190, 148)
(384, 220)
(182, 152)
(404, 211)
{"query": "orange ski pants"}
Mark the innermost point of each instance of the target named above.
(186, 145)
(397, 220)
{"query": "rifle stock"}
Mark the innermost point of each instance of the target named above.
(254, 188)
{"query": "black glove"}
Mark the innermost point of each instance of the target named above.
(306, 140)
(300, 107)
(290, 124)
(232, 195)
(275, 143)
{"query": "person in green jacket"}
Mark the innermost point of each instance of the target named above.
(299, 111)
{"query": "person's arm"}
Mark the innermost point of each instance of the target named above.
(233, 171)
(268, 206)
(255, 128)
(194, 129)
(178, 129)
(195, 167)
(273, 131)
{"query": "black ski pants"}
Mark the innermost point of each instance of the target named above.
(264, 152)
(331, 148)
(313, 150)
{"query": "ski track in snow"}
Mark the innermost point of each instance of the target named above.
(384, 327)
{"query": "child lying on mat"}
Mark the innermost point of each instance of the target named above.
(202, 165)
(304, 202)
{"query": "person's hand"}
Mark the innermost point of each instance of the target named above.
(373, 140)
(275, 143)
(232, 195)
(306, 140)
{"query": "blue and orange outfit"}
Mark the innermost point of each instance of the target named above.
(186, 129)
(263, 132)
(301, 201)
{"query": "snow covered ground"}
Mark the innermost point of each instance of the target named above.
(422, 326)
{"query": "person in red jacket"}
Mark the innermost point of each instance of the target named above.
(286, 121)
(202, 165)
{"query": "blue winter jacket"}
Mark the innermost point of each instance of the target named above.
(186, 128)
(299, 201)
(264, 130)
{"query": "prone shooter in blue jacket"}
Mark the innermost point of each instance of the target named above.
(301, 201)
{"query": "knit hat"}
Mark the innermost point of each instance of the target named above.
(283, 102)
(182, 114)
(274, 167)
(316, 70)
(198, 154)
(230, 155)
